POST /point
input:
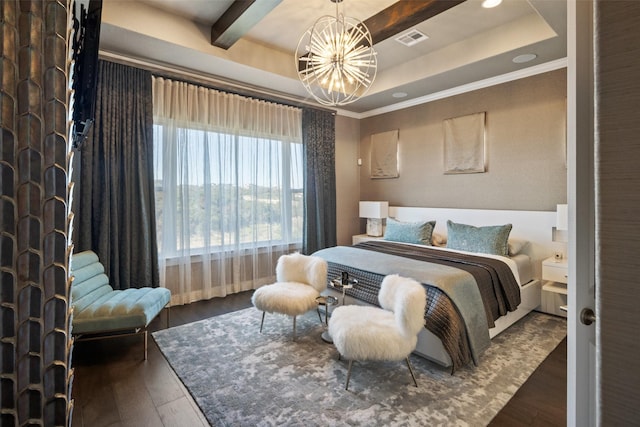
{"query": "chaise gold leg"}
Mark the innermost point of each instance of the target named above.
(145, 344)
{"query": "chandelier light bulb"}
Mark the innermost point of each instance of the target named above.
(335, 60)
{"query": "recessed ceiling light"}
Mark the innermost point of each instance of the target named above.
(488, 4)
(524, 58)
(399, 94)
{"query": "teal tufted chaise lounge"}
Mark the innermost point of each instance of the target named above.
(99, 311)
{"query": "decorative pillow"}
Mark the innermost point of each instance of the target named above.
(488, 240)
(516, 246)
(438, 239)
(409, 232)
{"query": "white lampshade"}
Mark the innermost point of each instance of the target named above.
(562, 217)
(374, 209)
(560, 233)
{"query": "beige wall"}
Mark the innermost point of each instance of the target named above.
(525, 145)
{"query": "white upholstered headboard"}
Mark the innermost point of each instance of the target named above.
(534, 226)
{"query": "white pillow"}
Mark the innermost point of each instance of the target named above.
(516, 245)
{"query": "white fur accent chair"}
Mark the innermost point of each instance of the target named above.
(388, 333)
(299, 281)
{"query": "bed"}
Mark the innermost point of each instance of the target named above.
(459, 320)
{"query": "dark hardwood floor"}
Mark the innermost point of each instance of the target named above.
(114, 386)
(542, 399)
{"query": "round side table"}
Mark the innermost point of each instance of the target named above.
(326, 301)
(331, 300)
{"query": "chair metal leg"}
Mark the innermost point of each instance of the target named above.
(411, 370)
(349, 374)
(294, 328)
(145, 344)
(262, 321)
(168, 309)
(318, 311)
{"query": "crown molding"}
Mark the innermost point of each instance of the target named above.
(480, 84)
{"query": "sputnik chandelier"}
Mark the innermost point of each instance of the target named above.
(335, 59)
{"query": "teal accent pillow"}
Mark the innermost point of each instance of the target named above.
(409, 232)
(492, 239)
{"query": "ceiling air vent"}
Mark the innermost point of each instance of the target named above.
(412, 37)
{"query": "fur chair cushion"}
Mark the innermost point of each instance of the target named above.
(300, 278)
(407, 299)
(368, 333)
(388, 333)
(300, 268)
(291, 298)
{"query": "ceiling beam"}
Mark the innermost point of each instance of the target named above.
(403, 15)
(238, 19)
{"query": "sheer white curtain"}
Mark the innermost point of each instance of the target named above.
(229, 189)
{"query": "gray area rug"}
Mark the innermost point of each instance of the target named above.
(240, 377)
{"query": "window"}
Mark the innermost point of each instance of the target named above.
(229, 188)
(217, 191)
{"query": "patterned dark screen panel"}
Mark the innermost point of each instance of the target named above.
(35, 375)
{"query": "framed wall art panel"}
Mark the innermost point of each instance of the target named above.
(464, 144)
(384, 154)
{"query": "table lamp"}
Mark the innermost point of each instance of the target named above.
(560, 233)
(374, 212)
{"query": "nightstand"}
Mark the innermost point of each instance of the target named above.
(359, 238)
(554, 288)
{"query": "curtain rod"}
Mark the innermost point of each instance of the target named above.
(189, 76)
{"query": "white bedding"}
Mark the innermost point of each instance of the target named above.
(458, 284)
(531, 226)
